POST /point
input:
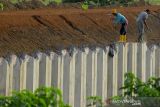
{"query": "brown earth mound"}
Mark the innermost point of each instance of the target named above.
(51, 29)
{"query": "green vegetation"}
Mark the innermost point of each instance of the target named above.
(42, 97)
(14, 1)
(145, 93)
(1, 6)
(153, 1)
(44, 2)
(97, 2)
(94, 100)
(134, 86)
(85, 4)
(108, 2)
(47, 2)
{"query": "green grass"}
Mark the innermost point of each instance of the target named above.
(154, 1)
(14, 1)
(45, 2)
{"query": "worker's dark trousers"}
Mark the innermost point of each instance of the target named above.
(140, 29)
(123, 29)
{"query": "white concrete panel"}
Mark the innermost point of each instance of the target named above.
(105, 73)
(115, 73)
(94, 72)
(141, 61)
(4, 77)
(121, 55)
(122, 65)
(89, 72)
(48, 70)
(36, 72)
(61, 70)
(144, 50)
(83, 78)
(66, 77)
(54, 74)
(110, 78)
(15, 73)
(42, 69)
(23, 71)
(125, 58)
(72, 79)
(99, 72)
(148, 64)
(152, 72)
(11, 62)
(78, 81)
(132, 57)
(30, 74)
(157, 62)
(134, 64)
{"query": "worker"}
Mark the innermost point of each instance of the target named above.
(120, 19)
(141, 21)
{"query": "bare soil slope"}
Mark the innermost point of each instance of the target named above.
(50, 29)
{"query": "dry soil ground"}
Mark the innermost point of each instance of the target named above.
(26, 31)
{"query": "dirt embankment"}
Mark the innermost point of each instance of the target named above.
(52, 29)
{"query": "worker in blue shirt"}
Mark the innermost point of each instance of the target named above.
(120, 19)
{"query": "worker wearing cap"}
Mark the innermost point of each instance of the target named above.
(120, 19)
(141, 21)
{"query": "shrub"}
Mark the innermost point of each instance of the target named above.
(42, 97)
(145, 94)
